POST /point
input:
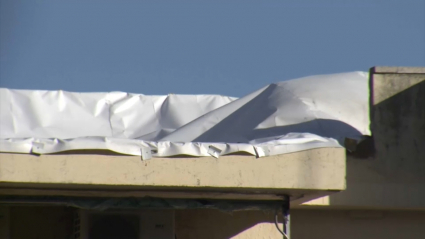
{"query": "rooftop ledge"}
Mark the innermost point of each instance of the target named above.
(302, 175)
(397, 70)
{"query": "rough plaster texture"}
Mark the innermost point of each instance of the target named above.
(399, 70)
(394, 177)
(317, 169)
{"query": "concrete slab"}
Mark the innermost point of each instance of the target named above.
(316, 171)
(397, 70)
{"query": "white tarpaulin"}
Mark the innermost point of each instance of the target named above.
(290, 116)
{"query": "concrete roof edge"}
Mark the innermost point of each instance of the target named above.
(397, 69)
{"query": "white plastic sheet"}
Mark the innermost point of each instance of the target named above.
(290, 116)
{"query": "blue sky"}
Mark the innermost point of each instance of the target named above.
(200, 47)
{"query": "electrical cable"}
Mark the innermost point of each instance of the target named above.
(276, 222)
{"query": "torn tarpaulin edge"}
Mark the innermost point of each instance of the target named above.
(284, 117)
(148, 149)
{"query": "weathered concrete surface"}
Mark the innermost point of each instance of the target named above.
(397, 70)
(312, 170)
(394, 177)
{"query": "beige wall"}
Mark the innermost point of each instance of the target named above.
(214, 224)
(56, 223)
(333, 224)
(393, 178)
(32, 222)
(305, 224)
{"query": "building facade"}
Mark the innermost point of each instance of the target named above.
(378, 191)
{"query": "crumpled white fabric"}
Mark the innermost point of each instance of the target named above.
(285, 117)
